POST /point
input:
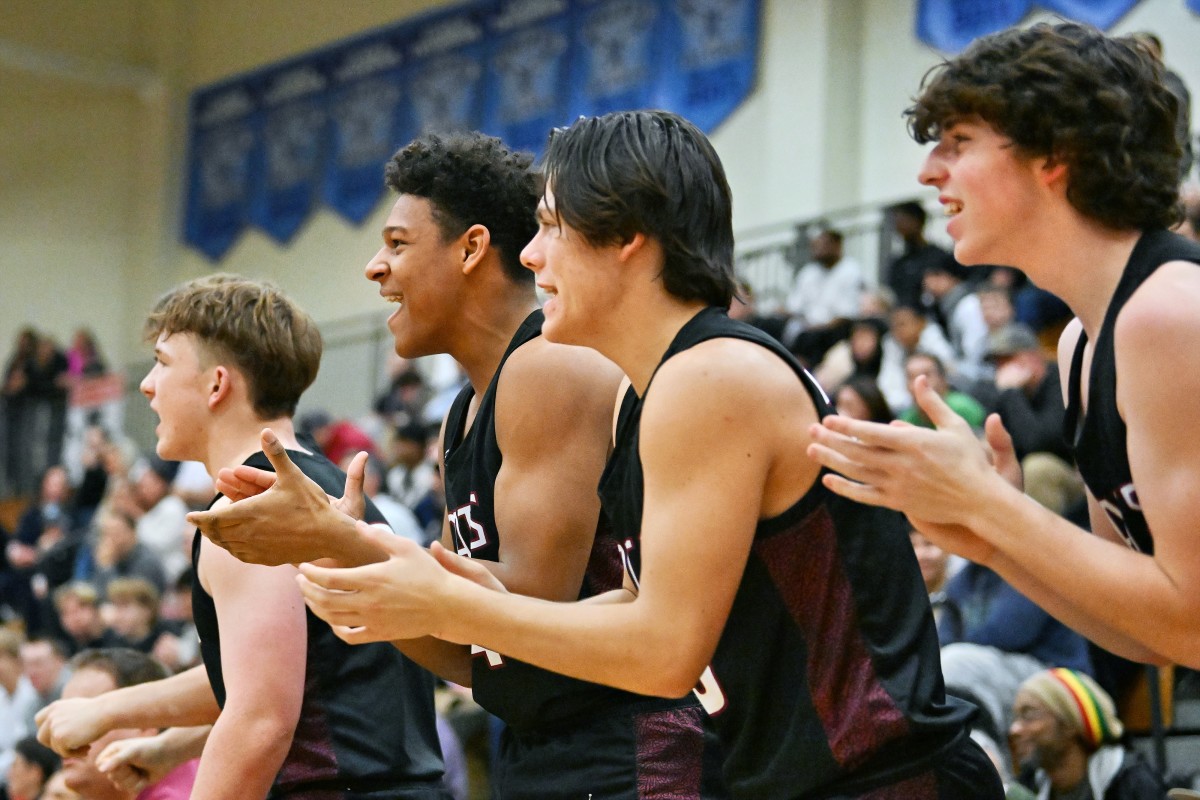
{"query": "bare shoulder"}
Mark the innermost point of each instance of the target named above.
(1163, 311)
(730, 376)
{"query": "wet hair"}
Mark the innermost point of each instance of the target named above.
(1071, 94)
(472, 179)
(126, 666)
(655, 173)
(253, 326)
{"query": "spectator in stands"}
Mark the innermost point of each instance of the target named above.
(78, 607)
(996, 302)
(906, 273)
(860, 354)
(934, 370)
(1004, 638)
(98, 672)
(405, 396)
(159, 516)
(860, 398)
(92, 488)
(744, 306)
(44, 663)
(909, 331)
(134, 614)
(336, 438)
(32, 765)
(935, 571)
(411, 473)
(1065, 735)
(47, 395)
(118, 553)
(41, 553)
(956, 308)
(15, 391)
(824, 299)
(17, 697)
(1030, 403)
(83, 356)
(178, 648)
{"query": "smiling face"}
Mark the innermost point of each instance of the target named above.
(1037, 736)
(178, 388)
(989, 191)
(421, 272)
(581, 282)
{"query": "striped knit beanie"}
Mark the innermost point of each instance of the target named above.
(1079, 702)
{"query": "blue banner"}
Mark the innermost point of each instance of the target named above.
(617, 62)
(266, 147)
(528, 79)
(1194, 5)
(224, 137)
(950, 25)
(295, 103)
(715, 50)
(370, 120)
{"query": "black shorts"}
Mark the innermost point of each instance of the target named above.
(962, 772)
(641, 752)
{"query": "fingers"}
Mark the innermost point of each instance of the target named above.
(852, 490)
(386, 540)
(838, 462)
(940, 414)
(465, 567)
(280, 460)
(242, 482)
(997, 436)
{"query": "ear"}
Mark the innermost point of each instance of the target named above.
(476, 243)
(634, 246)
(222, 386)
(1053, 173)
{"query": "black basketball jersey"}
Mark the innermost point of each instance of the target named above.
(826, 679)
(1097, 437)
(524, 696)
(367, 727)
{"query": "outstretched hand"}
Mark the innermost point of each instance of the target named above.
(133, 764)
(285, 518)
(394, 599)
(937, 477)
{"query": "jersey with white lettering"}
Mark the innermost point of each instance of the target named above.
(524, 696)
(826, 679)
(1098, 436)
(367, 727)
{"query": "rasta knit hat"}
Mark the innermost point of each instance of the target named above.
(1079, 702)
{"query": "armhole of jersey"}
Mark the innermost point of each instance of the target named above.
(1075, 379)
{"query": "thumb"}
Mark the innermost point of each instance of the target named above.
(940, 414)
(280, 460)
(1003, 452)
(355, 474)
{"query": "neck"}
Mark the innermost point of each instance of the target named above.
(642, 332)
(231, 441)
(487, 330)
(1080, 261)
(1070, 770)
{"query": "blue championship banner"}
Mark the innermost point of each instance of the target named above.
(950, 25)
(268, 147)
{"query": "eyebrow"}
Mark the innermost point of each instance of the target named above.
(400, 229)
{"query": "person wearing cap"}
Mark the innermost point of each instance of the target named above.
(1029, 401)
(1066, 735)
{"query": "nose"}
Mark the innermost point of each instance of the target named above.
(531, 256)
(933, 170)
(377, 268)
(146, 387)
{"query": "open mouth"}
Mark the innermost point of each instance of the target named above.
(952, 208)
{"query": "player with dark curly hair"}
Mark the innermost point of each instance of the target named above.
(522, 449)
(1056, 154)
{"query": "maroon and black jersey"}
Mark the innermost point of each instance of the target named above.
(1097, 438)
(827, 679)
(367, 729)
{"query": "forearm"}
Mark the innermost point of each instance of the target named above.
(183, 744)
(346, 547)
(620, 644)
(182, 700)
(1060, 567)
(244, 753)
(449, 661)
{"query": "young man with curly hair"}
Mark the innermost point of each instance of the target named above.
(1055, 153)
(522, 449)
(295, 712)
(800, 620)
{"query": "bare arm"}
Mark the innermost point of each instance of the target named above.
(263, 660)
(706, 467)
(133, 764)
(70, 726)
